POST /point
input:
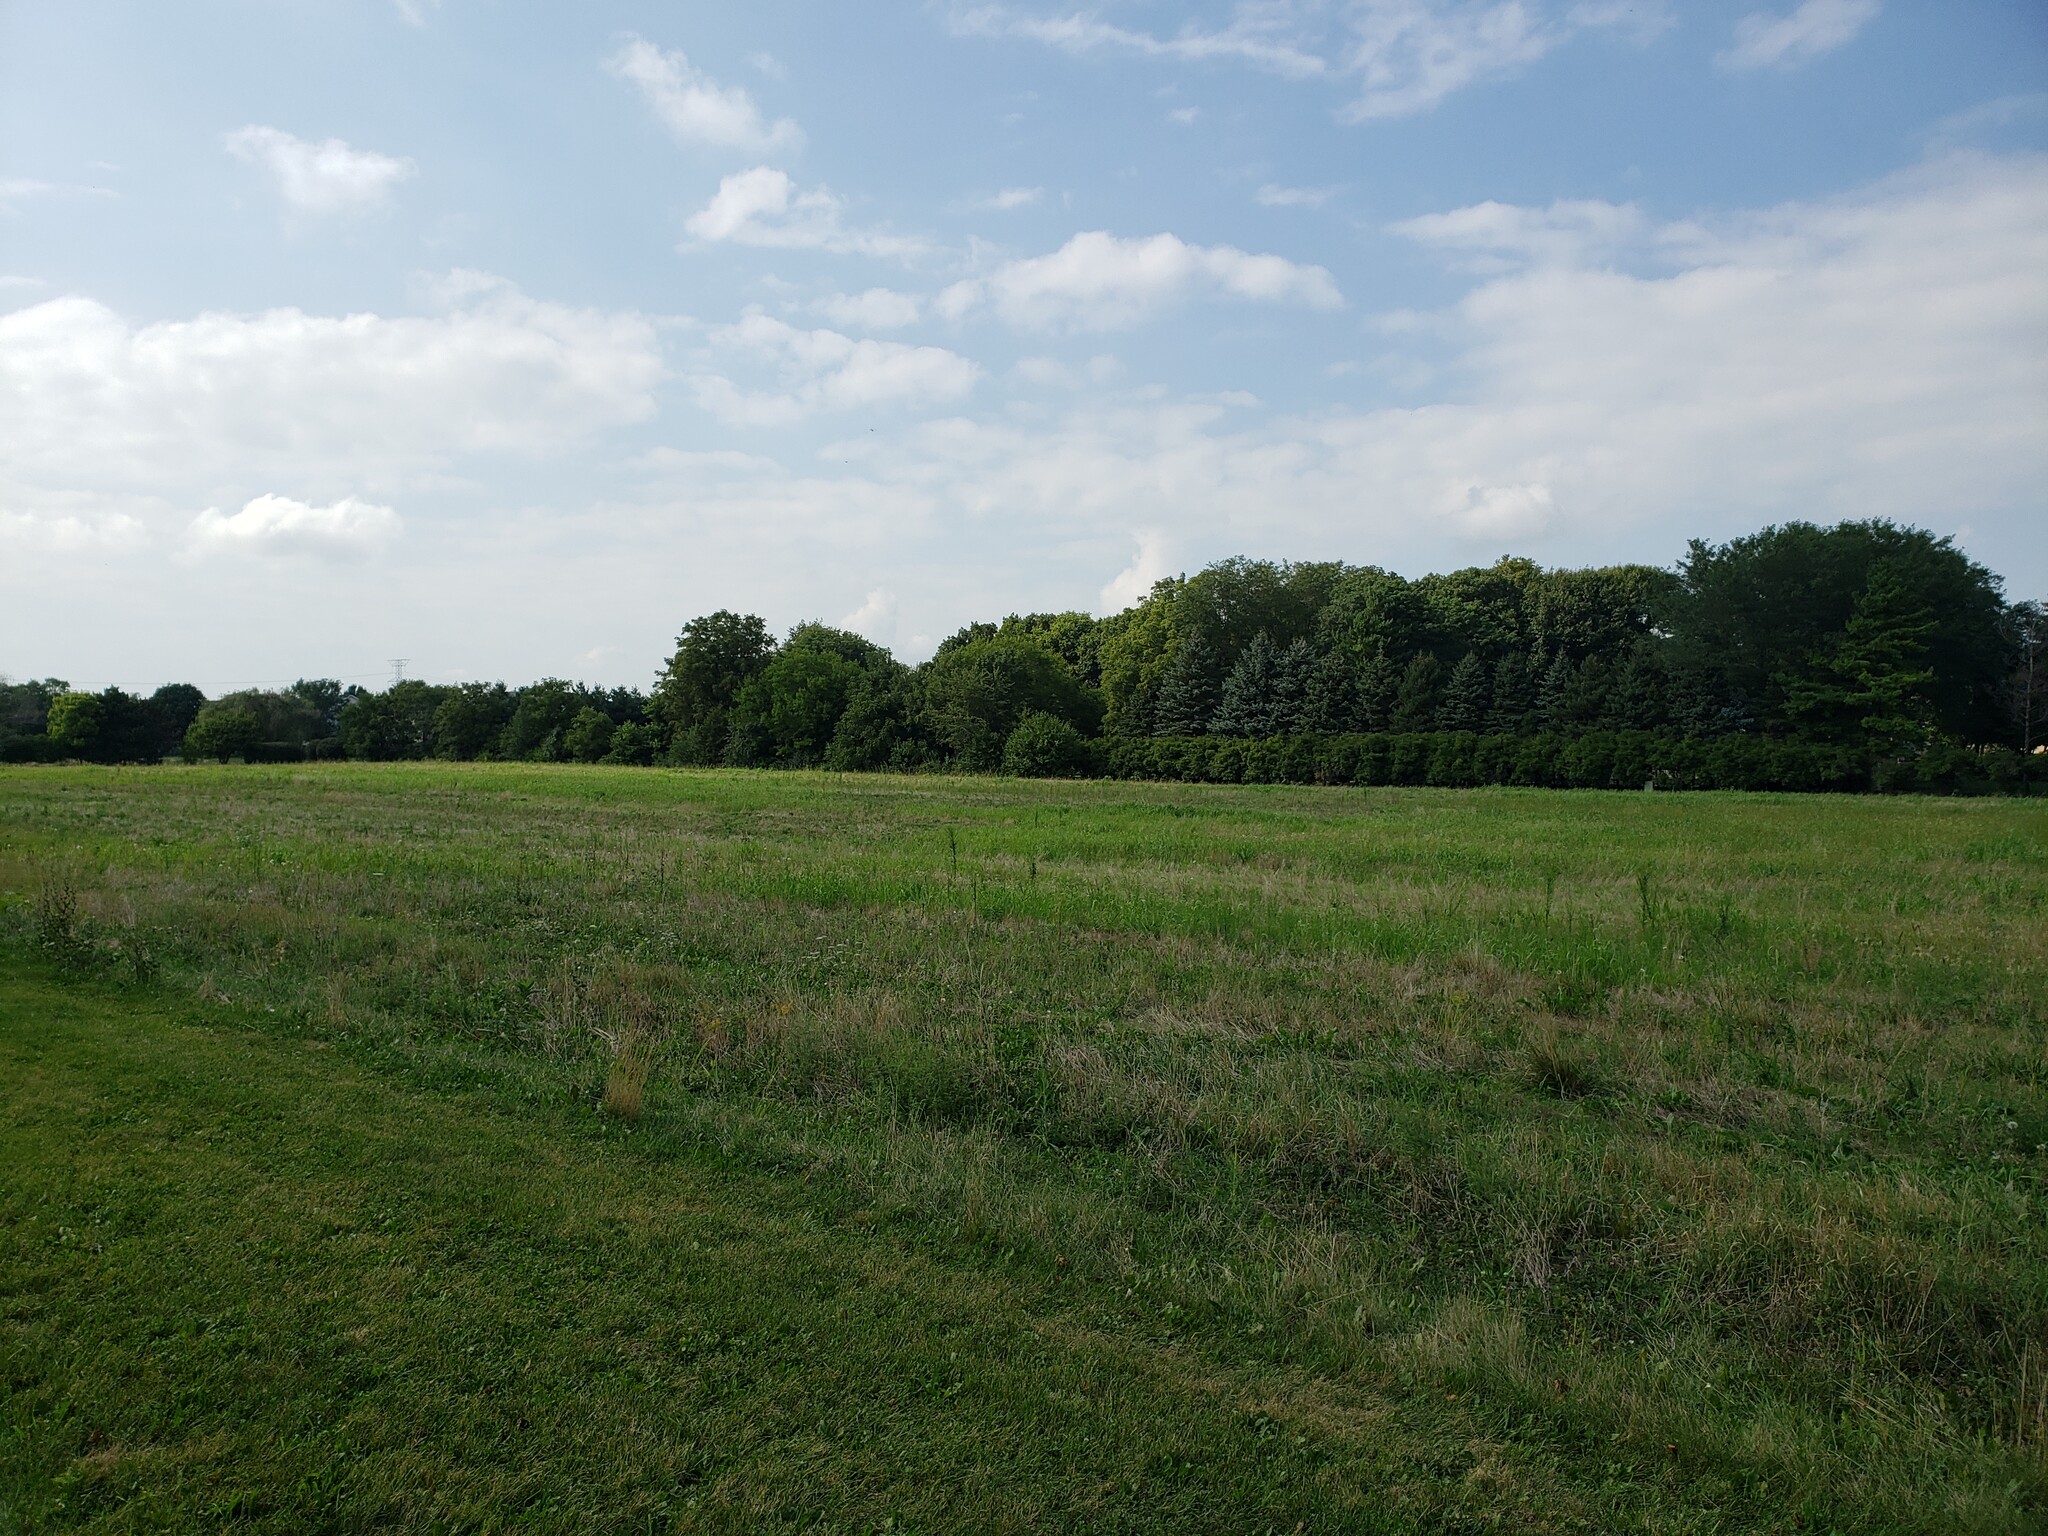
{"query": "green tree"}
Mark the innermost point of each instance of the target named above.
(176, 706)
(1415, 701)
(787, 713)
(1248, 706)
(73, 723)
(1871, 683)
(1756, 618)
(632, 744)
(1466, 696)
(1185, 700)
(1553, 691)
(1045, 747)
(1379, 682)
(1512, 707)
(1330, 702)
(714, 657)
(976, 694)
(470, 720)
(223, 730)
(588, 736)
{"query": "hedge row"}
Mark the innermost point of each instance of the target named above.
(1597, 760)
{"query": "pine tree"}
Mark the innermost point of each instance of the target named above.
(1331, 701)
(1637, 700)
(1586, 697)
(1552, 693)
(1247, 706)
(1376, 686)
(1870, 682)
(1294, 673)
(1184, 700)
(1513, 699)
(1465, 696)
(1415, 700)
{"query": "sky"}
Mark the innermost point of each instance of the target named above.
(504, 338)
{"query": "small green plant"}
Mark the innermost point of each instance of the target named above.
(60, 928)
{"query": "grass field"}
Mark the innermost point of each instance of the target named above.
(1005, 1155)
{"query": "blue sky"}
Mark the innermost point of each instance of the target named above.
(507, 337)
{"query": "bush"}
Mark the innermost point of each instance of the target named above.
(1046, 747)
(223, 733)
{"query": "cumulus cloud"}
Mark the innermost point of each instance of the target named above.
(330, 177)
(1884, 354)
(91, 400)
(1013, 197)
(821, 370)
(875, 618)
(1098, 281)
(878, 309)
(1764, 40)
(1130, 585)
(695, 108)
(278, 524)
(763, 207)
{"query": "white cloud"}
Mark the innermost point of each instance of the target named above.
(1130, 585)
(1881, 355)
(1764, 40)
(414, 12)
(1013, 197)
(878, 309)
(875, 618)
(1097, 281)
(20, 189)
(330, 177)
(206, 403)
(695, 108)
(1254, 38)
(1405, 56)
(1502, 235)
(1410, 54)
(278, 524)
(763, 207)
(1274, 196)
(822, 371)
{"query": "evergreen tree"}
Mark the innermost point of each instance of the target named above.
(1294, 673)
(1184, 700)
(1248, 693)
(1871, 682)
(1552, 691)
(1513, 699)
(1415, 700)
(1331, 702)
(1636, 702)
(1377, 684)
(1586, 696)
(1465, 696)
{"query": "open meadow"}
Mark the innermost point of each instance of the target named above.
(476, 1147)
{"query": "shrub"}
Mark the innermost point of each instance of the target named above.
(224, 733)
(1046, 747)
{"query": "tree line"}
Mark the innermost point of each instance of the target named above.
(1867, 643)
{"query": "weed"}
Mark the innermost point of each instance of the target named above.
(59, 925)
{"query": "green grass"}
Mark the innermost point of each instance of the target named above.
(1016, 1155)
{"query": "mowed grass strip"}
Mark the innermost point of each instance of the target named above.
(250, 1284)
(1695, 1143)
